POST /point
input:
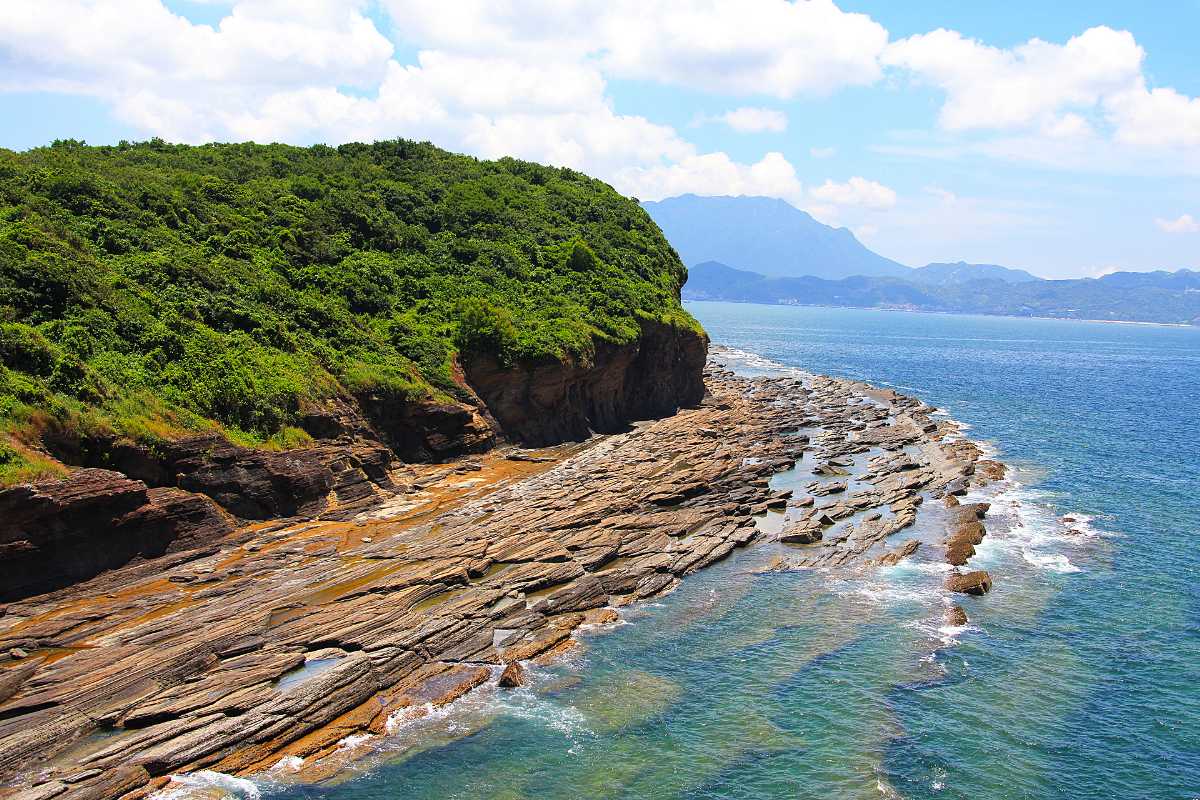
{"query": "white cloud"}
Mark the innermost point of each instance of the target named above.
(1155, 118)
(988, 87)
(822, 152)
(857, 191)
(754, 120)
(1184, 224)
(772, 47)
(1064, 102)
(117, 48)
(713, 174)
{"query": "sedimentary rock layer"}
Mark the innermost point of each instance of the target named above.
(284, 639)
(74, 529)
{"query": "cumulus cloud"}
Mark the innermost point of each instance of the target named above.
(714, 174)
(857, 191)
(1185, 223)
(530, 78)
(988, 87)
(524, 78)
(1061, 94)
(772, 47)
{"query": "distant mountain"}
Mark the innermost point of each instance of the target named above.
(768, 236)
(1170, 297)
(962, 272)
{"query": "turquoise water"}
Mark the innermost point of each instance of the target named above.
(1078, 676)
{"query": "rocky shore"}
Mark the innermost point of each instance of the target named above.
(294, 642)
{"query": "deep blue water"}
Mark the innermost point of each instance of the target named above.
(1078, 677)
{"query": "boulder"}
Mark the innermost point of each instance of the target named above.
(512, 677)
(977, 583)
(804, 532)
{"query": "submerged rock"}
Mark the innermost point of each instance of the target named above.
(899, 554)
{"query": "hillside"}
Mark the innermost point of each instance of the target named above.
(1144, 297)
(764, 235)
(962, 272)
(269, 295)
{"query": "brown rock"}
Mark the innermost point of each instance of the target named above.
(58, 532)
(805, 532)
(512, 677)
(955, 615)
(978, 582)
(899, 554)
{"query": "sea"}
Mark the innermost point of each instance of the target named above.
(1078, 676)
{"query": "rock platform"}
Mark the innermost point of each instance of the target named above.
(288, 639)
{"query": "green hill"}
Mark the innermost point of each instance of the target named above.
(150, 290)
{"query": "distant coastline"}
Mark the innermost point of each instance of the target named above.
(1151, 298)
(687, 300)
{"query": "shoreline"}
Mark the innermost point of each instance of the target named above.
(434, 598)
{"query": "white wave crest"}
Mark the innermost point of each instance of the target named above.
(207, 782)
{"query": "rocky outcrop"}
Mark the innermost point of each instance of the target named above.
(97, 519)
(513, 676)
(978, 582)
(59, 532)
(194, 664)
(967, 531)
(956, 616)
(541, 404)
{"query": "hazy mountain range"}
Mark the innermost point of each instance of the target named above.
(1172, 297)
(763, 250)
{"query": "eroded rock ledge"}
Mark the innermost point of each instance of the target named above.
(133, 502)
(282, 640)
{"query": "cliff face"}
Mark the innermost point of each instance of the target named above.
(543, 404)
(60, 532)
(188, 494)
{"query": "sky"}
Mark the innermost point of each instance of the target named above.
(1062, 137)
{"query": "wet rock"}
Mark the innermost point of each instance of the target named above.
(512, 677)
(801, 533)
(894, 557)
(956, 616)
(978, 582)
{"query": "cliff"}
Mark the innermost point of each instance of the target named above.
(187, 495)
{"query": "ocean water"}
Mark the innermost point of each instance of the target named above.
(1077, 677)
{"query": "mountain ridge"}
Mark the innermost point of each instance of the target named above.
(766, 235)
(1173, 299)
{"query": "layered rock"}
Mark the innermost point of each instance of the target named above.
(60, 532)
(978, 582)
(541, 404)
(294, 638)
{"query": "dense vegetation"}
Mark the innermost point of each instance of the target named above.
(150, 289)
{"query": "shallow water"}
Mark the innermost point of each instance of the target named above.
(1078, 676)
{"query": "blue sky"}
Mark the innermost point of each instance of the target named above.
(1063, 138)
